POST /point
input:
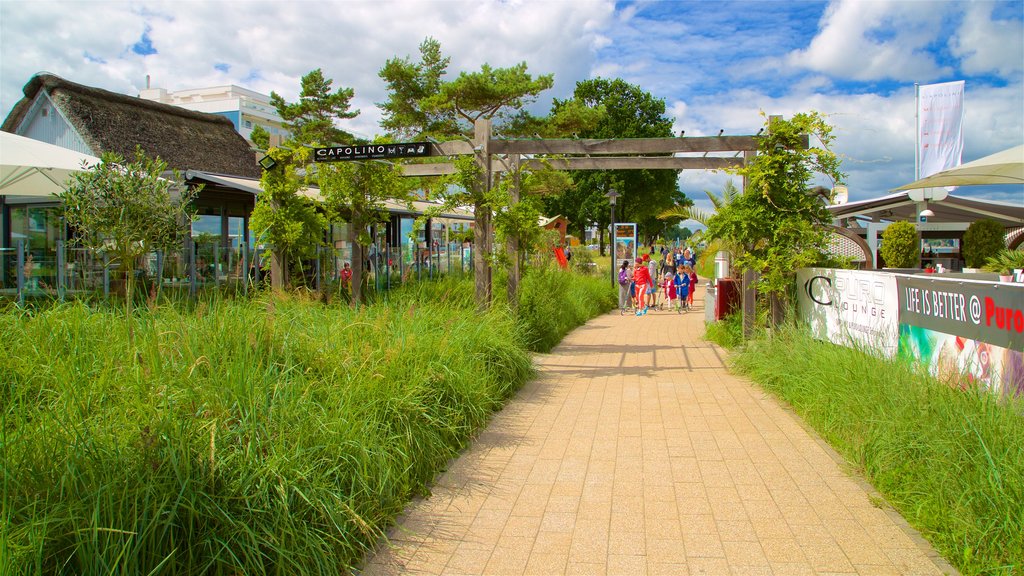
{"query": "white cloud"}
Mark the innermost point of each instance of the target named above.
(985, 45)
(876, 40)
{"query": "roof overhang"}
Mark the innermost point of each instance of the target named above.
(252, 186)
(899, 206)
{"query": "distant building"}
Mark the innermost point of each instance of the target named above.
(245, 108)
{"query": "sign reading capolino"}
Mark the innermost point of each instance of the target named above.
(850, 307)
(371, 152)
(992, 313)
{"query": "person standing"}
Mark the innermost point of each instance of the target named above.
(652, 293)
(682, 282)
(642, 278)
(693, 285)
(625, 280)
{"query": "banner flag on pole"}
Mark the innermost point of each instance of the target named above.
(940, 122)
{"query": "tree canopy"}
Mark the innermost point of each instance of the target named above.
(778, 220)
(311, 120)
(624, 111)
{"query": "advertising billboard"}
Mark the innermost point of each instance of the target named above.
(850, 307)
(625, 242)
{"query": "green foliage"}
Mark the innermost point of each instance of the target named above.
(552, 302)
(493, 93)
(253, 437)
(290, 223)
(260, 137)
(616, 109)
(1005, 262)
(128, 208)
(982, 240)
(727, 332)
(408, 83)
(258, 437)
(357, 191)
(900, 245)
(776, 221)
(311, 119)
(949, 460)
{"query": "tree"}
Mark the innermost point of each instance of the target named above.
(126, 209)
(492, 94)
(290, 223)
(408, 84)
(626, 111)
(293, 224)
(260, 137)
(356, 191)
(777, 220)
(311, 120)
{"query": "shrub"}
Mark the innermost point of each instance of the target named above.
(982, 240)
(900, 245)
(1005, 262)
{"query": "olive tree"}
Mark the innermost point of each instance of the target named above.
(126, 209)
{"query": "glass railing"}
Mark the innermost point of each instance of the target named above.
(74, 271)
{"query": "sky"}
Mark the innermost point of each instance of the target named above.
(718, 65)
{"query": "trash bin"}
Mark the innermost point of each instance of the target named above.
(727, 297)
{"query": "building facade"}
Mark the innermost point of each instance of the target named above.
(245, 108)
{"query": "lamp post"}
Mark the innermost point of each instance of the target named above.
(612, 195)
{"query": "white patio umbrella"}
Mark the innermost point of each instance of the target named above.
(33, 168)
(1006, 167)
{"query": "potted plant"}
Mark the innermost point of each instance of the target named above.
(982, 240)
(1004, 263)
(929, 269)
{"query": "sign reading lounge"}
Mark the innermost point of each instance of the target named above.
(371, 151)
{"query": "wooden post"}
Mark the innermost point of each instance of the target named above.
(515, 271)
(482, 214)
(749, 292)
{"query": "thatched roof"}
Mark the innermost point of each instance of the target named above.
(112, 122)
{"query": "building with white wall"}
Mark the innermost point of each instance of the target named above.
(245, 108)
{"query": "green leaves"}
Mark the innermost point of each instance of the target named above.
(311, 119)
(778, 220)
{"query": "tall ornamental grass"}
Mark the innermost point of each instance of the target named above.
(552, 302)
(951, 461)
(265, 437)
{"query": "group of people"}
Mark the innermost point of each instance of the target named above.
(672, 275)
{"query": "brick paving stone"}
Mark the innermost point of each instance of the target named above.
(634, 451)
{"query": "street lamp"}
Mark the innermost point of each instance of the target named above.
(612, 195)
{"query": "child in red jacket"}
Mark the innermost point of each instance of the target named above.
(642, 277)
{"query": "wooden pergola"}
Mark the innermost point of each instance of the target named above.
(495, 156)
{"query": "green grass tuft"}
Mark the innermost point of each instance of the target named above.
(271, 436)
(951, 461)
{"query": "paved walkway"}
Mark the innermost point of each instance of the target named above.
(634, 451)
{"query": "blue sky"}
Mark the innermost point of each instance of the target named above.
(716, 64)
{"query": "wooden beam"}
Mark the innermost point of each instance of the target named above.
(626, 145)
(450, 148)
(598, 163)
(635, 163)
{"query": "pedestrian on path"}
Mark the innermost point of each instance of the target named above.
(652, 287)
(644, 284)
(683, 288)
(625, 280)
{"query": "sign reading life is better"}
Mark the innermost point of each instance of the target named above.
(371, 151)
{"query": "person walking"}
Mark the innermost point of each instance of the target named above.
(693, 285)
(625, 281)
(682, 283)
(652, 288)
(642, 277)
